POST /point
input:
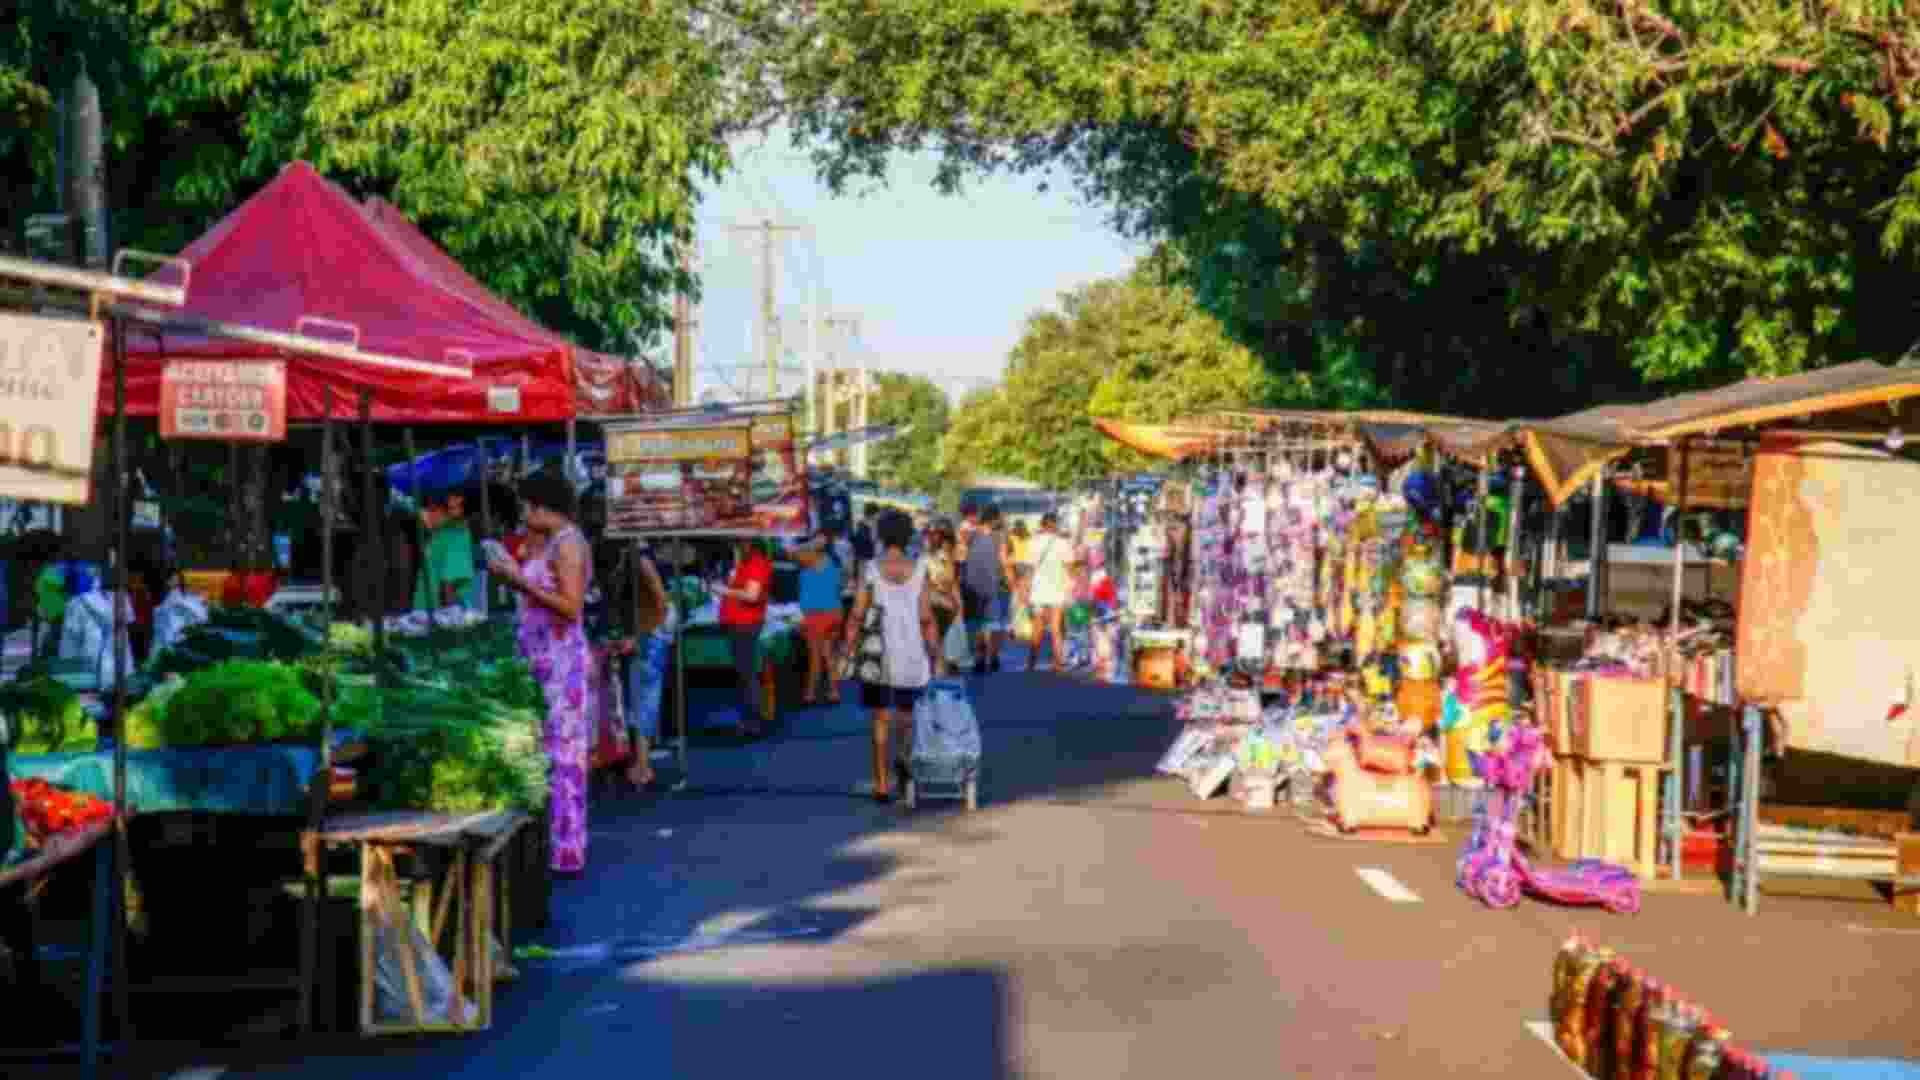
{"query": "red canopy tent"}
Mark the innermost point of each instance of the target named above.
(302, 249)
(602, 384)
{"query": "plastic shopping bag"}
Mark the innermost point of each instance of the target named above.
(959, 646)
(412, 984)
(1022, 621)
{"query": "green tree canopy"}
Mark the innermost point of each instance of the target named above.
(554, 148)
(1125, 349)
(1697, 188)
(911, 462)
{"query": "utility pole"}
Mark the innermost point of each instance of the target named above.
(769, 319)
(683, 336)
(86, 176)
(860, 393)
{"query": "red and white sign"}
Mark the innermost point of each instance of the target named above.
(224, 400)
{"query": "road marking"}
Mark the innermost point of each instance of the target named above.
(1856, 928)
(201, 1072)
(1543, 1030)
(1386, 885)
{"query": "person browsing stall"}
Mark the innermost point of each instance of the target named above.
(743, 614)
(552, 582)
(447, 576)
(647, 670)
(822, 579)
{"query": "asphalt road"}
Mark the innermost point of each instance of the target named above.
(1089, 920)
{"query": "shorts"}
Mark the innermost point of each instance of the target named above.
(822, 627)
(646, 681)
(984, 614)
(896, 698)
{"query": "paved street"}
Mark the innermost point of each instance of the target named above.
(1088, 921)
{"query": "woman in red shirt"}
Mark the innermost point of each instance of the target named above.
(743, 612)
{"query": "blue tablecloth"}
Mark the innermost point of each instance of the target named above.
(259, 780)
(1823, 1068)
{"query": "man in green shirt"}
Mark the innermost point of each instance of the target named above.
(447, 575)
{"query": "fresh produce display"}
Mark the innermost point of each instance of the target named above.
(230, 634)
(239, 701)
(467, 747)
(46, 810)
(46, 717)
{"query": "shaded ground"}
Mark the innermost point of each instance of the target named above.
(1089, 921)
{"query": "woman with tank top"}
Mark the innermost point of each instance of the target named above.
(908, 654)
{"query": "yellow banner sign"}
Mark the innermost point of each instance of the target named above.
(689, 444)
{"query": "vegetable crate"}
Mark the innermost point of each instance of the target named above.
(431, 971)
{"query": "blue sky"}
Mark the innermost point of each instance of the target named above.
(942, 284)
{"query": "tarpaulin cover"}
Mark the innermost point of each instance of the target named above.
(269, 780)
(302, 248)
(455, 467)
(602, 384)
(1155, 440)
(1826, 393)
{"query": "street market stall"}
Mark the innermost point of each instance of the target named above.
(697, 476)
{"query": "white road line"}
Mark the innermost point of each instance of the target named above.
(1543, 1030)
(1856, 928)
(1386, 885)
(203, 1072)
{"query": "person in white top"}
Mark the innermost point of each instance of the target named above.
(902, 654)
(1050, 554)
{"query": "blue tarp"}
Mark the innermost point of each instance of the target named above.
(456, 467)
(1824, 1068)
(263, 780)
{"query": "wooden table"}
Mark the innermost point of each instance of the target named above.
(473, 844)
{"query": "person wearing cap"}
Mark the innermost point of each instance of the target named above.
(447, 570)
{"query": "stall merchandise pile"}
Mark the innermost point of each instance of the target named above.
(1613, 1020)
(1638, 649)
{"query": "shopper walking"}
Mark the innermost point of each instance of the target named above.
(1048, 589)
(984, 584)
(943, 577)
(552, 584)
(899, 654)
(822, 577)
(743, 613)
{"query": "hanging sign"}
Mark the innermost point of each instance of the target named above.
(723, 475)
(678, 479)
(779, 478)
(1719, 475)
(49, 388)
(224, 400)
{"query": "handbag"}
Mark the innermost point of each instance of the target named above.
(867, 660)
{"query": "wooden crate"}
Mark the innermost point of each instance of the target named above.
(1620, 813)
(1619, 719)
(1567, 808)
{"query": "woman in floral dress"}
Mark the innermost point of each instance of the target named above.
(553, 583)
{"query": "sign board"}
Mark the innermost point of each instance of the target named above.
(723, 475)
(224, 400)
(1719, 475)
(49, 389)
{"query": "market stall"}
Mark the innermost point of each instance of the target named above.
(699, 476)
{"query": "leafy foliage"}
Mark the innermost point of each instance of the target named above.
(1128, 349)
(912, 461)
(553, 148)
(1696, 188)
